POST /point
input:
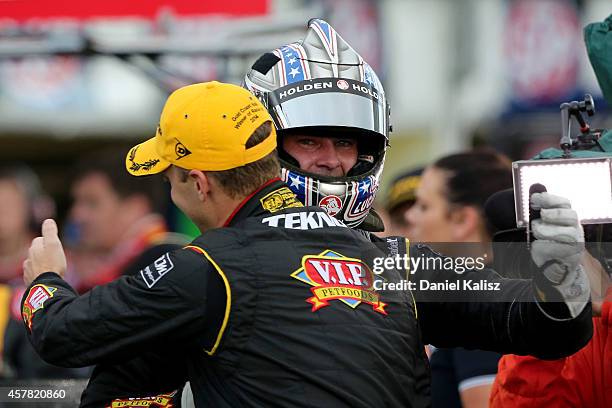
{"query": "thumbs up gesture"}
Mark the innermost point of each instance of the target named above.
(46, 254)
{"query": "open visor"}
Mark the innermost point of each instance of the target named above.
(330, 102)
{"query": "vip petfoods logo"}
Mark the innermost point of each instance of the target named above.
(158, 401)
(336, 277)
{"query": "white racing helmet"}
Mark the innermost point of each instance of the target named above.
(321, 86)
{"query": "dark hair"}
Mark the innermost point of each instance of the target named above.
(110, 162)
(474, 176)
(40, 206)
(242, 181)
(24, 178)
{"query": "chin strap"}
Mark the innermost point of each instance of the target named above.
(372, 222)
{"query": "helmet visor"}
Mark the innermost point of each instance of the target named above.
(329, 102)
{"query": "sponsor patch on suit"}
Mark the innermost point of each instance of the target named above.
(37, 296)
(154, 272)
(336, 277)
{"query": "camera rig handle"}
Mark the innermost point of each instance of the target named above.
(575, 109)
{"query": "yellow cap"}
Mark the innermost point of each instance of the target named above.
(403, 189)
(205, 127)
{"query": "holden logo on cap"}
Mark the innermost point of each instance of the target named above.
(331, 204)
(342, 84)
(180, 150)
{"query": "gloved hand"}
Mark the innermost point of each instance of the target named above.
(558, 249)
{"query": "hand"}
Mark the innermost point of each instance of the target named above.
(559, 237)
(45, 255)
(558, 249)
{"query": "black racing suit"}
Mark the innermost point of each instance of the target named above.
(274, 310)
(141, 375)
(146, 374)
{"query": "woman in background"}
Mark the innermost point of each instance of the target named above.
(449, 210)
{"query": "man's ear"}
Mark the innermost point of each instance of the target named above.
(465, 222)
(201, 181)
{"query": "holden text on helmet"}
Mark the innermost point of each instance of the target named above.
(304, 88)
(355, 88)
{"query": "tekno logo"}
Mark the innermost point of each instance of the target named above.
(336, 277)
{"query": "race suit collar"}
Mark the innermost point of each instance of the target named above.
(272, 196)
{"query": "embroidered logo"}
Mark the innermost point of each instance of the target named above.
(145, 166)
(336, 277)
(37, 296)
(158, 401)
(280, 199)
(180, 150)
(154, 272)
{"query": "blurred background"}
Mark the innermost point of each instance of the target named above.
(78, 76)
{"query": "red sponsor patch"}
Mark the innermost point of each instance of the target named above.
(37, 296)
(336, 277)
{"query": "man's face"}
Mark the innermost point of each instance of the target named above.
(184, 193)
(179, 188)
(97, 210)
(324, 156)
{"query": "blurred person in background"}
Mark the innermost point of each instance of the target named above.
(451, 195)
(400, 198)
(23, 206)
(116, 222)
(449, 208)
(117, 229)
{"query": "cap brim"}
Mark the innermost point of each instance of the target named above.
(143, 160)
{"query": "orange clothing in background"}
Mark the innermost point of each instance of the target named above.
(583, 379)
